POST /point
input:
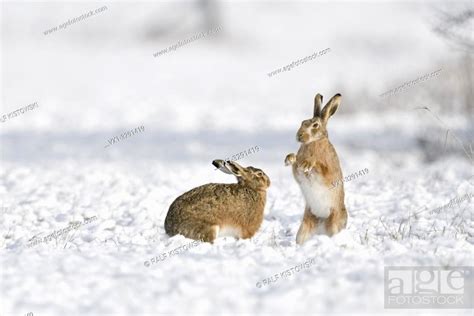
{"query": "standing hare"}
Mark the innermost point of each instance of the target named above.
(221, 209)
(315, 168)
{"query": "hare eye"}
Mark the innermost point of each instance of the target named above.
(316, 125)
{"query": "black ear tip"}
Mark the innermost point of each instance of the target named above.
(216, 163)
(338, 95)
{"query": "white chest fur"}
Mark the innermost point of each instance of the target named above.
(317, 195)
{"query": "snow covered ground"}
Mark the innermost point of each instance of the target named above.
(99, 269)
(207, 100)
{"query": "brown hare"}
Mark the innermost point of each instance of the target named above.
(221, 209)
(315, 168)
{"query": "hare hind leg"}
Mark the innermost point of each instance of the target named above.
(200, 231)
(308, 227)
(336, 221)
(209, 234)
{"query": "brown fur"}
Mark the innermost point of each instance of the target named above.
(202, 211)
(308, 226)
(336, 221)
(317, 160)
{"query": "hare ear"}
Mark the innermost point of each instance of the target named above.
(234, 167)
(220, 164)
(331, 107)
(318, 99)
(229, 167)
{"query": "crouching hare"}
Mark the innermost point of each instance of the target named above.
(221, 209)
(315, 168)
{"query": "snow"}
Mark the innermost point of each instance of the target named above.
(209, 100)
(100, 267)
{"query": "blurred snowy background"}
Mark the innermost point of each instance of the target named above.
(212, 99)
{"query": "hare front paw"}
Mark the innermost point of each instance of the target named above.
(306, 165)
(290, 159)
